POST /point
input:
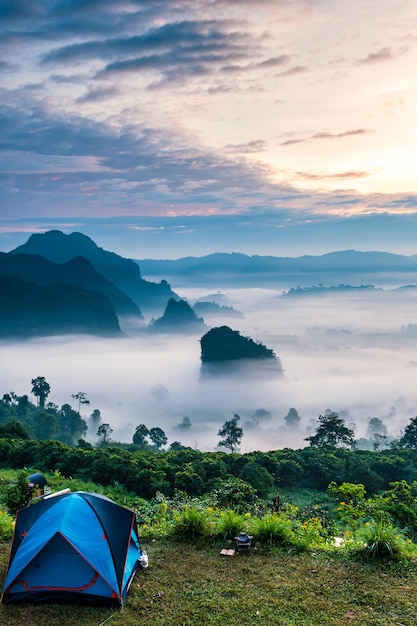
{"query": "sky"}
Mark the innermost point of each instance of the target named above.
(172, 127)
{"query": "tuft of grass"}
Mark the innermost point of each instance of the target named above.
(273, 529)
(381, 540)
(230, 524)
(191, 522)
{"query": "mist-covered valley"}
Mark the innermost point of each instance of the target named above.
(353, 351)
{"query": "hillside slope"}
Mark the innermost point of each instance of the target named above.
(124, 273)
(28, 310)
(77, 271)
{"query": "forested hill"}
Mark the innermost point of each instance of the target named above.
(341, 266)
(77, 271)
(27, 310)
(124, 273)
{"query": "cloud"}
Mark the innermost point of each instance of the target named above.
(174, 49)
(91, 164)
(257, 145)
(381, 56)
(335, 176)
(139, 108)
(293, 71)
(274, 61)
(13, 11)
(327, 135)
(337, 350)
(98, 94)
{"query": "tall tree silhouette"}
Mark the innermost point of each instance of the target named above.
(40, 389)
(231, 434)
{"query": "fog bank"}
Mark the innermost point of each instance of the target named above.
(354, 352)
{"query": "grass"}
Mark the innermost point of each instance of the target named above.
(191, 584)
(291, 576)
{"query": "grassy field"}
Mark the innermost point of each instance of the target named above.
(193, 584)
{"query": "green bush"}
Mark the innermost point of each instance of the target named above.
(233, 493)
(6, 526)
(16, 494)
(381, 540)
(192, 522)
(155, 517)
(310, 535)
(273, 529)
(230, 524)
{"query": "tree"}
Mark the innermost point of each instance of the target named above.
(292, 419)
(257, 476)
(7, 398)
(13, 430)
(189, 480)
(376, 427)
(41, 390)
(231, 434)
(409, 438)
(46, 425)
(81, 397)
(158, 437)
(104, 432)
(261, 414)
(10, 398)
(73, 426)
(186, 423)
(140, 435)
(23, 405)
(233, 492)
(85, 445)
(176, 445)
(95, 416)
(331, 431)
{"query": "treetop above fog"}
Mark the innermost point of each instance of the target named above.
(224, 344)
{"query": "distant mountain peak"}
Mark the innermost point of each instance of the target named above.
(124, 273)
(60, 247)
(178, 315)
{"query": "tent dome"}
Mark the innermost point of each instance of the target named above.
(37, 479)
(73, 548)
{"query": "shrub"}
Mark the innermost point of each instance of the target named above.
(17, 495)
(230, 524)
(233, 492)
(155, 517)
(310, 534)
(273, 529)
(191, 522)
(6, 526)
(381, 540)
(351, 502)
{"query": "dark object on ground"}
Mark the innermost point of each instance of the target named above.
(243, 542)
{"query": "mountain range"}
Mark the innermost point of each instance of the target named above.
(77, 271)
(124, 274)
(57, 283)
(29, 310)
(225, 269)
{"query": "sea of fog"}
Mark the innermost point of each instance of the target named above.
(350, 351)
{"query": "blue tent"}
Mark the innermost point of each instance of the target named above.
(73, 548)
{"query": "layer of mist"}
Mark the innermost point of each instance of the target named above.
(353, 352)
